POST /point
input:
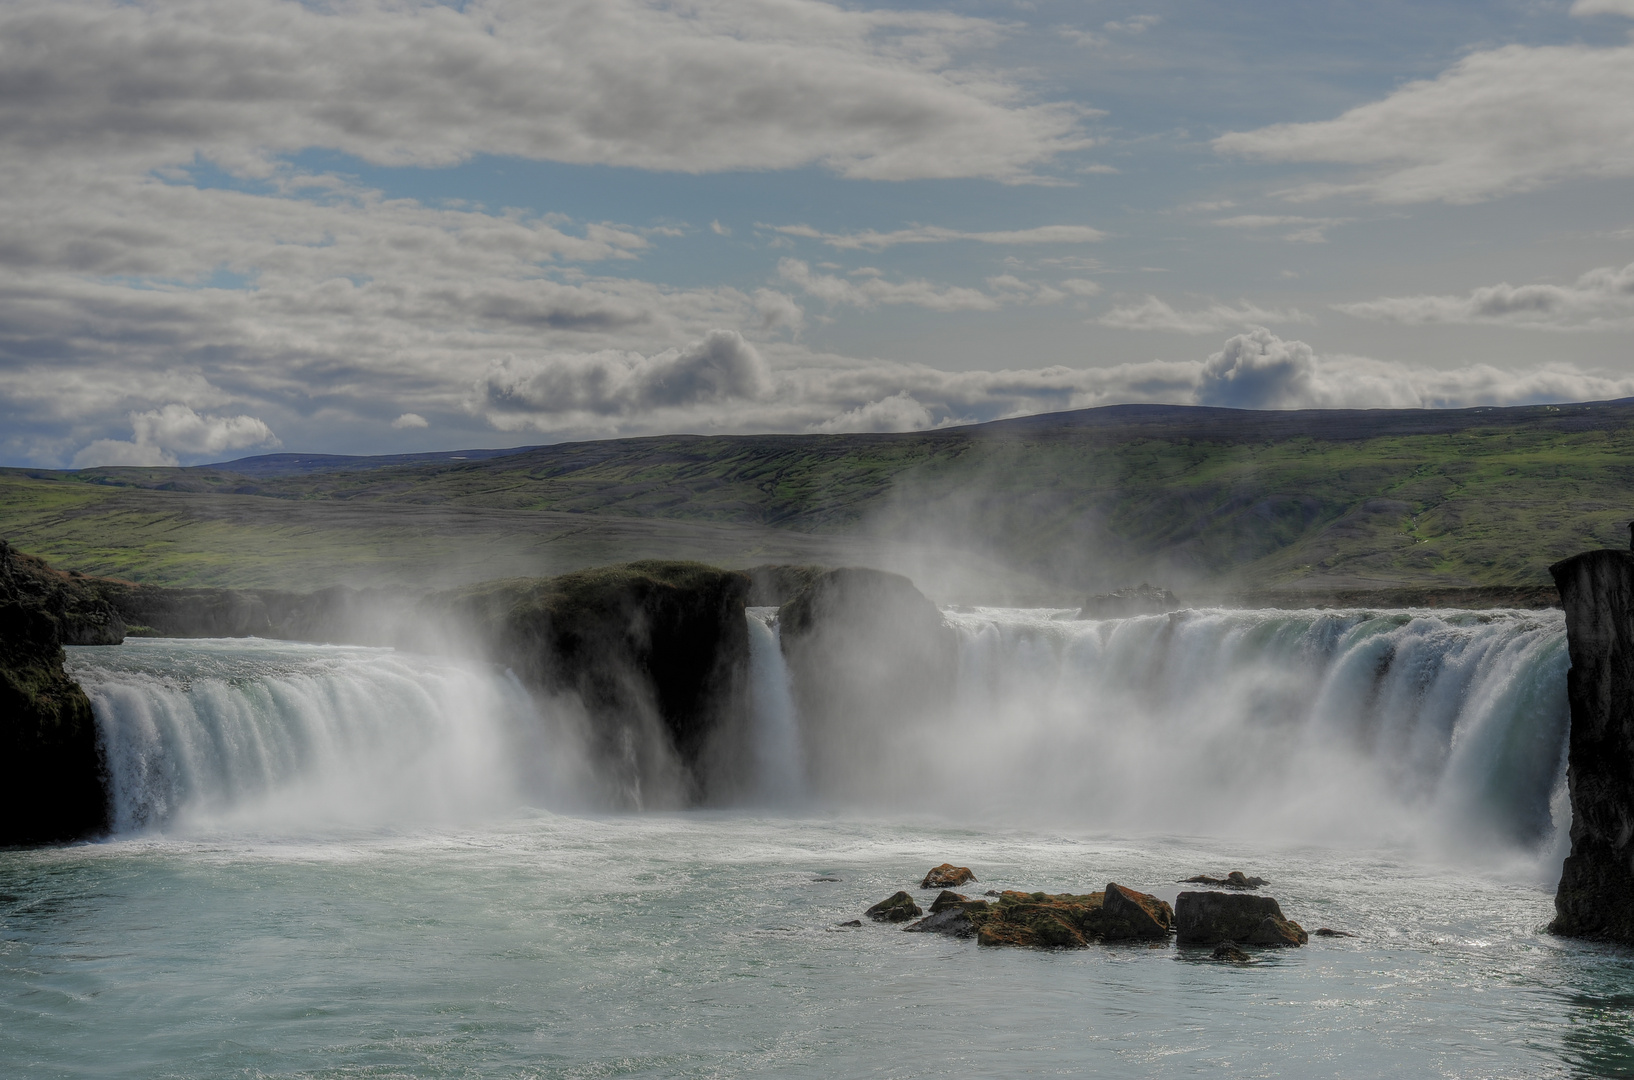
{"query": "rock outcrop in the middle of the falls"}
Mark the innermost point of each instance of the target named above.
(873, 668)
(656, 651)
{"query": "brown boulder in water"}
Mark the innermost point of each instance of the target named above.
(1068, 920)
(947, 876)
(947, 899)
(1228, 951)
(898, 907)
(1129, 915)
(1208, 918)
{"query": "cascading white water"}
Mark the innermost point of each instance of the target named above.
(1324, 725)
(248, 733)
(779, 771)
(1439, 727)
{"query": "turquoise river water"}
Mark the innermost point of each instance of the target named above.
(335, 862)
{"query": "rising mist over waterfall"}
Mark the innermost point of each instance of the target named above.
(1443, 730)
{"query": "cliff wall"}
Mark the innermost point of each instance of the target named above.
(1595, 898)
(51, 776)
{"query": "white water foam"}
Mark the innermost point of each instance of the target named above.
(1448, 727)
(260, 734)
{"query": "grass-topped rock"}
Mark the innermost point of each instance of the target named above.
(657, 651)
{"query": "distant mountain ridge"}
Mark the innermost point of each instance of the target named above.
(1196, 498)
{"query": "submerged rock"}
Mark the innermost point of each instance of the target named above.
(947, 876)
(1208, 918)
(1236, 879)
(898, 907)
(1228, 951)
(953, 921)
(1326, 931)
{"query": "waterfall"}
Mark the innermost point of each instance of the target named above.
(779, 771)
(252, 734)
(1336, 727)
(1447, 727)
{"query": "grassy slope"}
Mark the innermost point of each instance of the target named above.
(1193, 497)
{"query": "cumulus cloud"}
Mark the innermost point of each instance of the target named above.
(410, 420)
(701, 87)
(899, 412)
(825, 393)
(516, 393)
(1602, 299)
(159, 436)
(1154, 314)
(872, 240)
(1498, 122)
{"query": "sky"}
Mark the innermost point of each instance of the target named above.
(234, 227)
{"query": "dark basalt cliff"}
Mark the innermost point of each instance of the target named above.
(1596, 894)
(51, 785)
(872, 664)
(657, 651)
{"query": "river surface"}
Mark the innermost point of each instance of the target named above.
(339, 862)
(708, 945)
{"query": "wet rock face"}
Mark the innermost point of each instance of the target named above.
(657, 651)
(1595, 898)
(51, 786)
(1208, 918)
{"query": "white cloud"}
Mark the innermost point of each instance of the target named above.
(872, 240)
(410, 420)
(718, 229)
(1498, 122)
(159, 436)
(1081, 287)
(721, 367)
(1154, 314)
(1134, 24)
(1583, 8)
(1306, 230)
(871, 291)
(899, 412)
(701, 87)
(1602, 299)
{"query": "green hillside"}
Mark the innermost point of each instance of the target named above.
(1196, 498)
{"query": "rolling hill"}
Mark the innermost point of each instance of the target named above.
(1202, 499)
